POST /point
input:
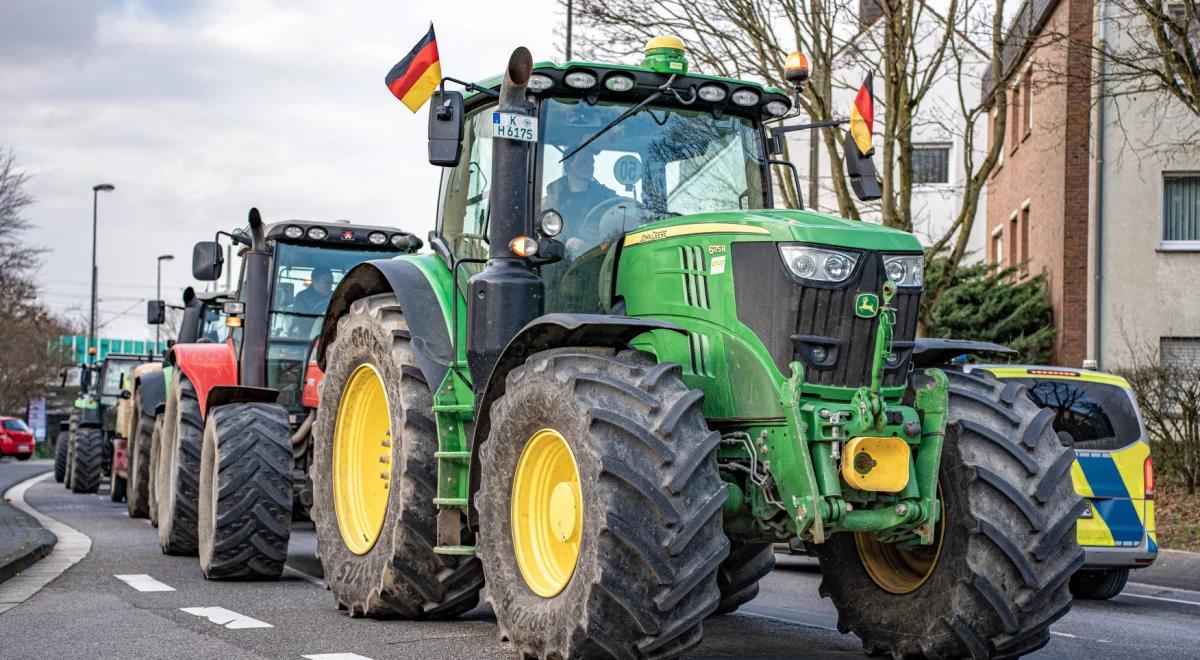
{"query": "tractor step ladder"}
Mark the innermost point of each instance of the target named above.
(454, 424)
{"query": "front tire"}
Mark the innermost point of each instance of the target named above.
(152, 478)
(178, 482)
(997, 577)
(392, 570)
(245, 514)
(1099, 584)
(646, 541)
(117, 488)
(87, 461)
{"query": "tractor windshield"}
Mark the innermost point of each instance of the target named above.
(657, 163)
(304, 278)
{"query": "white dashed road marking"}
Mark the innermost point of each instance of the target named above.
(1165, 600)
(336, 656)
(227, 618)
(143, 582)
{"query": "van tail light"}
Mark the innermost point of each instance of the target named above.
(1148, 477)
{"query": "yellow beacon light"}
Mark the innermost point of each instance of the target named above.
(795, 69)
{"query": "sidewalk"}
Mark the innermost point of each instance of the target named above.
(22, 540)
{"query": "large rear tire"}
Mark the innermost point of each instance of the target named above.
(1099, 584)
(630, 568)
(72, 431)
(137, 500)
(739, 574)
(997, 576)
(61, 445)
(245, 515)
(87, 461)
(393, 570)
(178, 482)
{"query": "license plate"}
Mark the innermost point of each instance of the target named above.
(514, 127)
(22, 447)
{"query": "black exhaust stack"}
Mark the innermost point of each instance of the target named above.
(506, 294)
(252, 366)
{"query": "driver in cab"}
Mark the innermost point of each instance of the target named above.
(574, 195)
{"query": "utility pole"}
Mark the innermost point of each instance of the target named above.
(158, 297)
(570, 7)
(93, 349)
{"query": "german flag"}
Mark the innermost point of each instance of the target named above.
(414, 79)
(862, 116)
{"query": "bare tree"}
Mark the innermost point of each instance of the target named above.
(30, 356)
(1168, 394)
(916, 45)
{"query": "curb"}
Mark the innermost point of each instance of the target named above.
(72, 546)
(23, 540)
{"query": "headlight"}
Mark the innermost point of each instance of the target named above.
(317, 233)
(745, 97)
(580, 80)
(712, 93)
(619, 83)
(776, 108)
(292, 231)
(539, 82)
(818, 264)
(377, 238)
(904, 269)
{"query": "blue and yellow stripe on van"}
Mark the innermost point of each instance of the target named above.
(1119, 528)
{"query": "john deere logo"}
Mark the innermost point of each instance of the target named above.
(866, 305)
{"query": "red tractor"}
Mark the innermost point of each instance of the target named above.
(235, 420)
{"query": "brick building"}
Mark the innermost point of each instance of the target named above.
(1097, 204)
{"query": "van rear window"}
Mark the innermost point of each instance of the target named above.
(1087, 415)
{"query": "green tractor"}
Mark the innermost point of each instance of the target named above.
(623, 376)
(96, 444)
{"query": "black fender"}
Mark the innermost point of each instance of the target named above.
(430, 338)
(543, 333)
(933, 352)
(153, 390)
(220, 395)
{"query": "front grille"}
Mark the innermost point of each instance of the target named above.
(793, 318)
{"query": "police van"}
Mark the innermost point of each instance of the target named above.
(1097, 414)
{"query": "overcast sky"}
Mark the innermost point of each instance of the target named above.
(197, 110)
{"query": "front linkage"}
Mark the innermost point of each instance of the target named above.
(887, 489)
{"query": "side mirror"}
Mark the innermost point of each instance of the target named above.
(445, 128)
(156, 312)
(207, 259)
(861, 171)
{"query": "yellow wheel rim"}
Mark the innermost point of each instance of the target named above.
(547, 513)
(362, 459)
(895, 569)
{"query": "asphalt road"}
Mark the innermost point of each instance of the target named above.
(88, 612)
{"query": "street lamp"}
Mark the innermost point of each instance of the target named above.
(92, 343)
(158, 293)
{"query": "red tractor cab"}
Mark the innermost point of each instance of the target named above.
(236, 429)
(16, 438)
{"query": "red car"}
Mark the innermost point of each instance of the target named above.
(15, 438)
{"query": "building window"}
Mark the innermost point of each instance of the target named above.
(931, 163)
(998, 246)
(1014, 121)
(1014, 231)
(1179, 351)
(1026, 102)
(1024, 222)
(1181, 211)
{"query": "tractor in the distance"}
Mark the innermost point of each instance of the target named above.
(623, 375)
(203, 321)
(235, 416)
(95, 444)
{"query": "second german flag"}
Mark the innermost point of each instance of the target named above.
(414, 79)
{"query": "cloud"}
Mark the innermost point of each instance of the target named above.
(197, 111)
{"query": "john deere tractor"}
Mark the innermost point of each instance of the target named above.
(96, 444)
(623, 375)
(234, 414)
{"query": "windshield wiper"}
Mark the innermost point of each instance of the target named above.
(665, 88)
